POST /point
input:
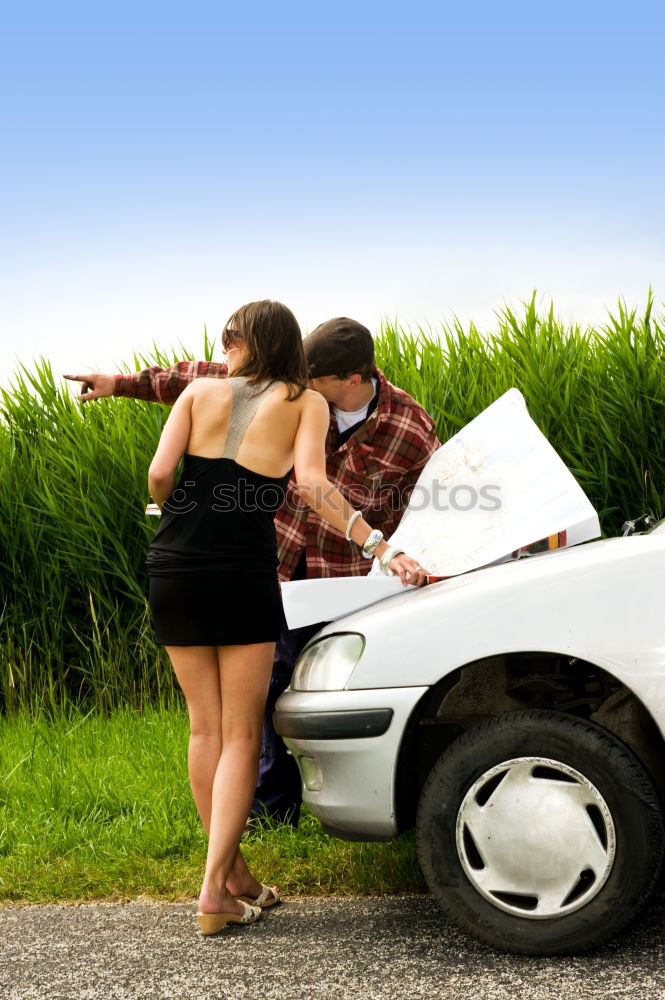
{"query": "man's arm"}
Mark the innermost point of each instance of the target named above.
(156, 385)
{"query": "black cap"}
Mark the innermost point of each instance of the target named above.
(338, 347)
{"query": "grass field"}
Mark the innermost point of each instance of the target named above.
(100, 808)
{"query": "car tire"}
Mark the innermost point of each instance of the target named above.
(519, 806)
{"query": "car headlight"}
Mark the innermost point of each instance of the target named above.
(327, 665)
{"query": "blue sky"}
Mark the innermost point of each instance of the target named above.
(162, 164)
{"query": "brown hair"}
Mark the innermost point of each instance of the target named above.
(365, 371)
(340, 347)
(274, 344)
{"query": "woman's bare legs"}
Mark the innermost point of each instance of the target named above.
(199, 671)
(244, 674)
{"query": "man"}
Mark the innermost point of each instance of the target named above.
(378, 442)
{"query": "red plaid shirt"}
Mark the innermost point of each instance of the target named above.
(376, 468)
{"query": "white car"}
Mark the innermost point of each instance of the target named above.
(515, 715)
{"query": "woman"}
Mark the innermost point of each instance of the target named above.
(214, 591)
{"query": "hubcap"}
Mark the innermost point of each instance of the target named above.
(535, 837)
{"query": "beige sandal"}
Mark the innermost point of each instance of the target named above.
(211, 923)
(264, 899)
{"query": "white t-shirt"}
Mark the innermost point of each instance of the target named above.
(347, 418)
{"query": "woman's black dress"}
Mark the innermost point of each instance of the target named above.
(213, 561)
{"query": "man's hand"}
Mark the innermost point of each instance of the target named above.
(94, 386)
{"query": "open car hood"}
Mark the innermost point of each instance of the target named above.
(493, 490)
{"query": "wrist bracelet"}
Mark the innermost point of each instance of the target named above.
(349, 524)
(386, 559)
(372, 542)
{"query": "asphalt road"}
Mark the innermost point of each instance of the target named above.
(315, 949)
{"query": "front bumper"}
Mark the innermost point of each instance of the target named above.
(354, 724)
(346, 744)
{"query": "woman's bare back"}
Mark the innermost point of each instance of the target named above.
(267, 445)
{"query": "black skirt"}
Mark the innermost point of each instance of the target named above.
(208, 609)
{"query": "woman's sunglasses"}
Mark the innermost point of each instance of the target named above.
(230, 337)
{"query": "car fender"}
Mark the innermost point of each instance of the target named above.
(600, 602)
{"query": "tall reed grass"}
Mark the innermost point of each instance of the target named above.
(73, 535)
(73, 539)
(597, 394)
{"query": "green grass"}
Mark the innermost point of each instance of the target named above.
(95, 807)
(74, 626)
(598, 394)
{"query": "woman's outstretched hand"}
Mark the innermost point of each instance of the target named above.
(408, 570)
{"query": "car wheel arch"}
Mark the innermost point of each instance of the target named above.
(493, 686)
